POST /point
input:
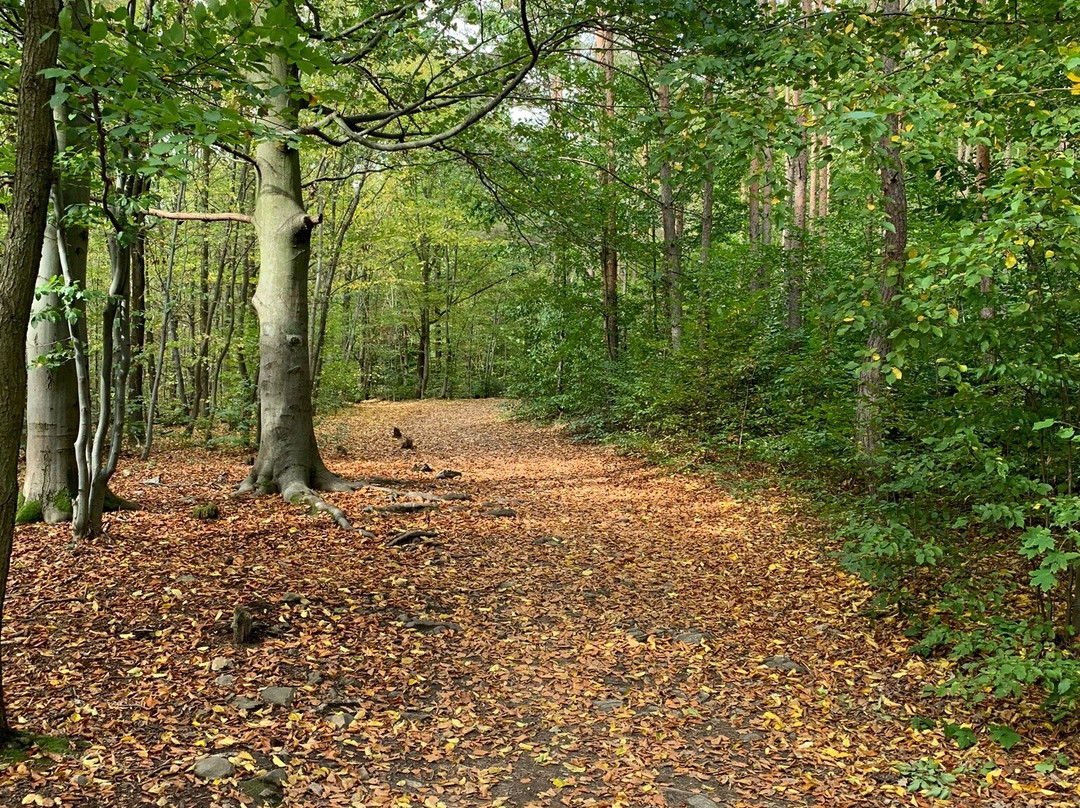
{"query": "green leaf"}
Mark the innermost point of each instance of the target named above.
(963, 737)
(1004, 736)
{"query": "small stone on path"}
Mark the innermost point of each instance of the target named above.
(447, 474)
(291, 597)
(684, 799)
(341, 720)
(214, 768)
(244, 703)
(280, 696)
(501, 512)
(691, 637)
(782, 662)
(607, 705)
(220, 663)
(225, 680)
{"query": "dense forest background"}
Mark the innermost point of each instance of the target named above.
(839, 240)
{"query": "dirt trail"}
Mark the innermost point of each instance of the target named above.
(629, 637)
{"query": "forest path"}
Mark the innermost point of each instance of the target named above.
(630, 637)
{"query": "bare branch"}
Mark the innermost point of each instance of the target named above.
(191, 216)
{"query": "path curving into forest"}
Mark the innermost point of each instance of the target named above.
(627, 637)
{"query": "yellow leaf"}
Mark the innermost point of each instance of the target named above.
(773, 720)
(896, 372)
(1010, 260)
(1074, 78)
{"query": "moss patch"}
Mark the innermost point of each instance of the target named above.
(25, 746)
(62, 502)
(29, 511)
(205, 511)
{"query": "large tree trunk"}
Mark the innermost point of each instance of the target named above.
(27, 210)
(288, 459)
(52, 407)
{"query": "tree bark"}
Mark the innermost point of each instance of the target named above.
(878, 346)
(52, 409)
(672, 263)
(27, 210)
(609, 256)
(795, 233)
(288, 460)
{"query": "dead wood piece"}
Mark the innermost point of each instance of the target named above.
(423, 468)
(447, 474)
(241, 626)
(454, 496)
(406, 507)
(423, 496)
(428, 626)
(408, 444)
(397, 434)
(411, 536)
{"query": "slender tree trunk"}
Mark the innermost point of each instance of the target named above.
(795, 233)
(609, 257)
(672, 263)
(423, 352)
(894, 193)
(27, 210)
(326, 293)
(704, 284)
(138, 331)
(167, 327)
(982, 176)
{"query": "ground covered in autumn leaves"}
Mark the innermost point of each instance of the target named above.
(617, 636)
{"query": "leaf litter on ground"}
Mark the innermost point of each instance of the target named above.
(632, 637)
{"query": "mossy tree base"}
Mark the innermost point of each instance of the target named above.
(62, 510)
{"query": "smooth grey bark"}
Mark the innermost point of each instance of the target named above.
(288, 459)
(27, 213)
(167, 317)
(324, 292)
(52, 409)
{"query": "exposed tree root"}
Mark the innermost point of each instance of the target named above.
(302, 486)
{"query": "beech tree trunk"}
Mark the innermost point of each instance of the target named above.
(52, 395)
(27, 209)
(288, 459)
